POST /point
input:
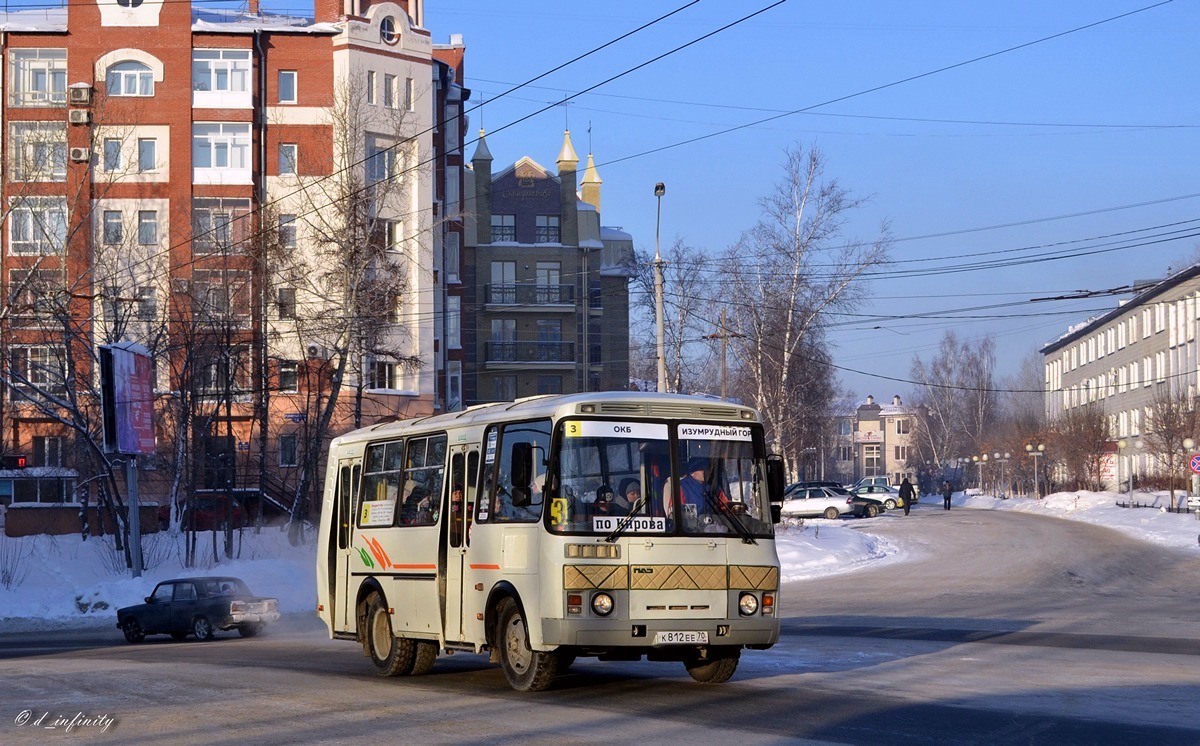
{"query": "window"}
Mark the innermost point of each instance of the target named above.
(37, 225)
(381, 375)
(901, 454)
(503, 346)
(39, 151)
(549, 337)
(547, 229)
(381, 163)
(371, 87)
(221, 70)
(218, 224)
(147, 304)
(222, 368)
(112, 154)
(39, 77)
(147, 154)
(129, 78)
(289, 376)
(504, 228)
(288, 153)
(221, 145)
(36, 295)
(408, 94)
(872, 462)
(504, 283)
(549, 282)
(453, 322)
(287, 231)
(387, 30)
(287, 86)
(394, 232)
(286, 303)
(549, 384)
(903, 426)
(47, 450)
(389, 91)
(113, 229)
(36, 367)
(504, 388)
(147, 227)
(453, 256)
(497, 502)
(221, 295)
(287, 450)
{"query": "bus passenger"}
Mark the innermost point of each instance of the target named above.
(627, 496)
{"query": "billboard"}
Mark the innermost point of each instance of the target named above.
(127, 391)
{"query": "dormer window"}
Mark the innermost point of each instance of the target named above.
(387, 30)
(130, 79)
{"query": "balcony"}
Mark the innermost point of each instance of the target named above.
(532, 296)
(529, 354)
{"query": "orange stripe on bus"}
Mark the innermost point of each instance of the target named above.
(484, 567)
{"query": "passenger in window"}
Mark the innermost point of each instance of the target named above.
(418, 507)
(604, 499)
(627, 496)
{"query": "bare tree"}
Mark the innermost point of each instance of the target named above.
(956, 394)
(688, 293)
(348, 255)
(1173, 418)
(780, 281)
(1079, 440)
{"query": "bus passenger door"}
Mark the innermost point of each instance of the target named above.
(458, 533)
(349, 471)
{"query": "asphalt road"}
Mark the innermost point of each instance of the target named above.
(999, 628)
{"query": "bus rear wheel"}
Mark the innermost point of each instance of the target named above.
(424, 654)
(392, 656)
(527, 670)
(716, 668)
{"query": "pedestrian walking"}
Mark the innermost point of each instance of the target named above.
(907, 494)
(947, 493)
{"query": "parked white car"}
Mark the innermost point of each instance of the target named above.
(812, 502)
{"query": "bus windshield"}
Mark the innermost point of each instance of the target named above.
(620, 477)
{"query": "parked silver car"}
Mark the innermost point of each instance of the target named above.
(890, 496)
(813, 502)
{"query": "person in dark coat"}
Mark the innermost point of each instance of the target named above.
(947, 493)
(907, 493)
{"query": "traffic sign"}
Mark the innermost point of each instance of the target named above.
(1194, 463)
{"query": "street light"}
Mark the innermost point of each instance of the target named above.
(659, 190)
(979, 462)
(1035, 451)
(1002, 459)
(1122, 444)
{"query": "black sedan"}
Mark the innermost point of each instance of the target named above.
(197, 606)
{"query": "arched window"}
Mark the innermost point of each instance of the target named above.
(130, 78)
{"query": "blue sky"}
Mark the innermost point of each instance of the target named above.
(1077, 125)
(1082, 144)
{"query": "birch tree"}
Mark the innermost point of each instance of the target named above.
(781, 280)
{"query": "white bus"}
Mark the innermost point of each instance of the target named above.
(611, 525)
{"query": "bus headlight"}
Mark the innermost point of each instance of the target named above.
(748, 604)
(602, 604)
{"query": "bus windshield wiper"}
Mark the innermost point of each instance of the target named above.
(628, 519)
(742, 531)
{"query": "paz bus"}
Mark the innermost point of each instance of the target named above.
(616, 525)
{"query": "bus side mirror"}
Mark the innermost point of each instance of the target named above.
(775, 478)
(522, 473)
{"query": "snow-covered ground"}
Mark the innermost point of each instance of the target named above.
(62, 581)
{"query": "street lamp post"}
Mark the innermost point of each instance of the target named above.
(659, 190)
(1122, 444)
(979, 462)
(1189, 445)
(1002, 459)
(1035, 451)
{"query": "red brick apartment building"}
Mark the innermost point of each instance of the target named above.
(268, 204)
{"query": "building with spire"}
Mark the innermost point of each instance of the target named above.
(548, 285)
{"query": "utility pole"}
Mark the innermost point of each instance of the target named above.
(724, 336)
(659, 190)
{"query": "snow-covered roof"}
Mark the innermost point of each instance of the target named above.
(609, 233)
(208, 20)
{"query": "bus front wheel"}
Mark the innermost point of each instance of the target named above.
(716, 668)
(392, 656)
(527, 670)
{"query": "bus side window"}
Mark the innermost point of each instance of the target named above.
(472, 489)
(457, 499)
